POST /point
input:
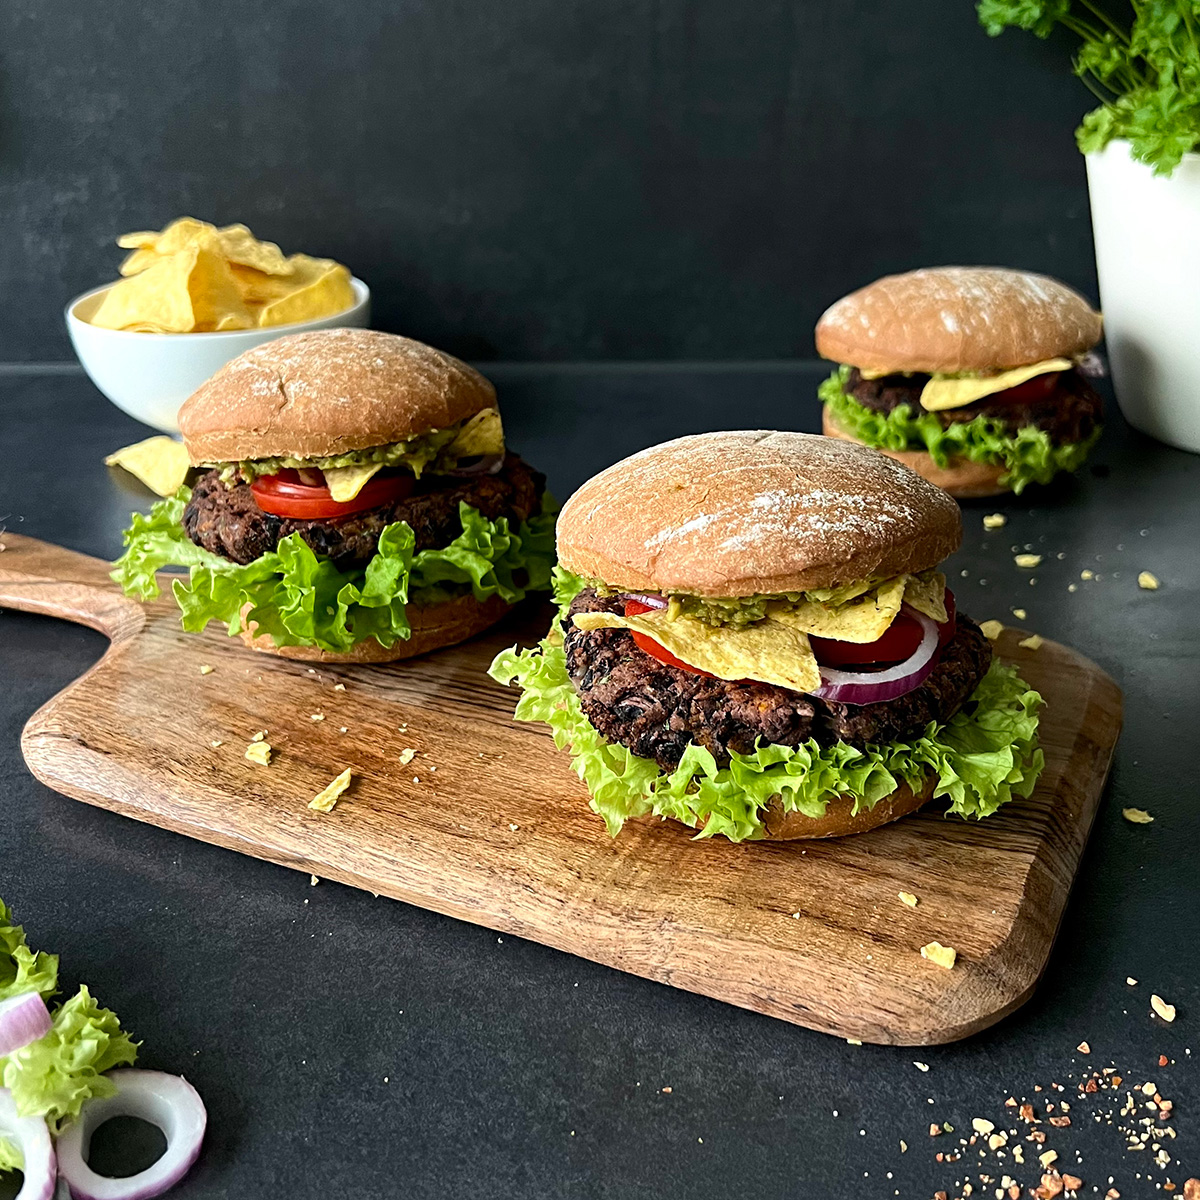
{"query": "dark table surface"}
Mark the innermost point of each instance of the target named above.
(352, 1046)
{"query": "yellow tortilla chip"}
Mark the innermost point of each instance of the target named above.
(240, 246)
(768, 650)
(344, 483)
(326, 799)
(189, 290)
(482, 434)
(318, 287)
(161, 463)
(941, 394)
(927, 594)
(862, 619)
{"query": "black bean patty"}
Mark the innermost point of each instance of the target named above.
(1069, 414)
(228, 521)
(656, 710)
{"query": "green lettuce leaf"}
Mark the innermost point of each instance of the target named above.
(22, 970)
(54, 1076)
(302, 599)
(983, 757)
(1028, 456)
(10, 1157)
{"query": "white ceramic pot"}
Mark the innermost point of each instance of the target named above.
(1147, 231)
(149, 375)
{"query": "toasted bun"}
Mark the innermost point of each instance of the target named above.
(734, 514)
(314, 395)
(433, 627)
(947, 319)
(960, 478)
(839, 819)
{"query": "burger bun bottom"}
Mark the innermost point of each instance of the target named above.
(433, 627)
(961, 478)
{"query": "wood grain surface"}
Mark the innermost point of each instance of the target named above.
(487, 823)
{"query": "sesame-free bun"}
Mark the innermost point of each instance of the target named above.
(948, 319)
(433, 626)
(736, 514)
(960, 477)
(327, 392)
(840, 820)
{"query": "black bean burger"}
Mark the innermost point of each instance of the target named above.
(356, 502)
(976, 377)
(754, 638)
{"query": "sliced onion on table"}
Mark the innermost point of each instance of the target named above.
(32, 1139)
(23, 1019)
(873, 687)
(167, 1101)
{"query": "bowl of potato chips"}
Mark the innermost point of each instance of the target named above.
(190, 298)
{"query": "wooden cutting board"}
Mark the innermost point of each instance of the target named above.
(488, 824)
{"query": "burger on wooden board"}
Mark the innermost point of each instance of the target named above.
(357, 503)
(976, 377)
(754, 639)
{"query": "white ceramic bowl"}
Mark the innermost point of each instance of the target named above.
(149, 375)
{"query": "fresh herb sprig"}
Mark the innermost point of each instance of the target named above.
(1144, 69)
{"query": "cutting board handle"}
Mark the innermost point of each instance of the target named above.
(38, 577)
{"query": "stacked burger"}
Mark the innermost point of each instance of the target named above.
(976, 377)
(357, 503)
(754, 639)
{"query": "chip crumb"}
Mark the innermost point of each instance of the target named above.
(514, 827)
(313, 880)
(205, 669)
(1129, 979)
(1086, 574)
(920, 1065)
(1137, 816)
(994, 521)
(944, 956)
(1162, 1008)
(991, 629)
(407, 755)
(217, 742)
(317, 717)
(259, 752)
(982, 1125)
(1072, 587)
(1032, 642)
(934, 1129)
(1191, 1189)
(1028, 561)
(996, 1140)
(666, 1091)
(1148, 581)
(326, 799)
(339, 687)
(1019, 613)
(1049, 1157)
(908, 898)
(854, 1041)
(1084, 1048)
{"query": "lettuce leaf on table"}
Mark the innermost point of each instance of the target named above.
(54, 1076)
(1028, 455)
(983, 757)
(302, 599)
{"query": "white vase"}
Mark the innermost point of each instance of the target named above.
(1147, 230)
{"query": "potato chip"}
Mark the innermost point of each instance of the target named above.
(161, 463)
(768, 650)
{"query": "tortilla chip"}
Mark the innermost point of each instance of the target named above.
(161, 463)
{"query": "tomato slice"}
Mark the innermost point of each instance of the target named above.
(634, 608)
(1040, 387)
(287, 495)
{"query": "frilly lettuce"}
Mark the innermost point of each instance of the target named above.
(983, 757)
(302, 599)
(54, 1076)
(1029, 456)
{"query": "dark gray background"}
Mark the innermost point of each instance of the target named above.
(541, 179)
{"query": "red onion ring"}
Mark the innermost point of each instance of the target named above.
(167, 1101)
(23, 1019)
(32, 1138)
(874, 687)
(647, 598)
